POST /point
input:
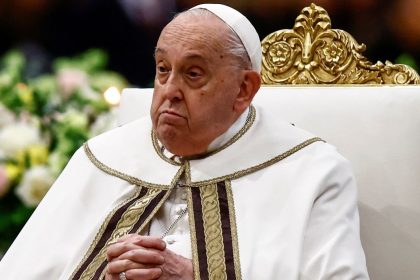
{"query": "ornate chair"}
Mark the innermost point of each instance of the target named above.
(313, 53)
(361, 108)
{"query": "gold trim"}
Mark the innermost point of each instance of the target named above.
(212, 223)
(102, 230)
(163, 200)
(124, 225)
(234, 230)
(249, 121)
(313, 53)
(191, 219)
(232, 176)
(159, 150)
(116, 173)
(257, 167)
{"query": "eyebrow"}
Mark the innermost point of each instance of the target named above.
(159, 50)
(188, 56)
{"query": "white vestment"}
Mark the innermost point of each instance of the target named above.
(269, 207)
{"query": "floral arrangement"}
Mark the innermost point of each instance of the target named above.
(43, 121)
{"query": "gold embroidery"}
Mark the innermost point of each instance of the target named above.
(258, 167)
(168, 193)
(132, 215)
(232, 176)
(234, 232)
(116, 173)
(124, 225)
(191, 219)
(249, 121)
(213, 232)
(102, 230)
(159, 150)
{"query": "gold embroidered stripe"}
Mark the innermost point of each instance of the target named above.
(215, 233)
(232, 176)
(118, 174)
(257, 167)
(126, 219)
(199, 237)
(230, 236)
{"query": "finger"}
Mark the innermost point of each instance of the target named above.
(144, 256)
(116, 249)
(127, 237)
(147, 241)
(118, 266)
(144, 274)
(133, 241)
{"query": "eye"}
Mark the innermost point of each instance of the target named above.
(161, 69)
(194, 73)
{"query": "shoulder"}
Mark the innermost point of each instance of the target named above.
(127, 134)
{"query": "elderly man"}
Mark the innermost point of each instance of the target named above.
(210, 188)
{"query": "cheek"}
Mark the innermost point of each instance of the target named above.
(154, 107)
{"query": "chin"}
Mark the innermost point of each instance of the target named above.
(167, 136)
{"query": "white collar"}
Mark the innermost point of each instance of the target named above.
(134, 155)
(220, 140)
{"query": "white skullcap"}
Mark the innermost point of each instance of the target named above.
(242, 27)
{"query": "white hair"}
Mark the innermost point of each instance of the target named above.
(233, 44)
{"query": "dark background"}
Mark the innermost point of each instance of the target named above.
(128, 29)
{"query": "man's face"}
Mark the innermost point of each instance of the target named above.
(196, 85)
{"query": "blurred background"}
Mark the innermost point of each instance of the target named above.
(128, 29)
(63, 64)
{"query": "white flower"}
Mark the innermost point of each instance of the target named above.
(104, 122)
(6, 116)
(35, 184)
(18, 136)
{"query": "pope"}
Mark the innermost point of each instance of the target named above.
(208, 187)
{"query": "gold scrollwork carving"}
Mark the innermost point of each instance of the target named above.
(313, 53)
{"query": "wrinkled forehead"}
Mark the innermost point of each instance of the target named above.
(192, 30)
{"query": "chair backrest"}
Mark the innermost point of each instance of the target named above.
(377, 127)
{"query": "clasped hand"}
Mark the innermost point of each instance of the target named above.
(145, 257)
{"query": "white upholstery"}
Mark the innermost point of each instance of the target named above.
(378, 129)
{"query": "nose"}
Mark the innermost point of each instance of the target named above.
(172, 88)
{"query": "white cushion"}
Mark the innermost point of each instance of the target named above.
(378, 129)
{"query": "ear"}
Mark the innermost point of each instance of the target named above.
(251, 83)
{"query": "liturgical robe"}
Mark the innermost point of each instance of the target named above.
(273, 202)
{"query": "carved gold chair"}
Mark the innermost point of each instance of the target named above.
(317, 78)
(313, 53)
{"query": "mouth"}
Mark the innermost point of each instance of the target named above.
(170, 116)
(170, 112)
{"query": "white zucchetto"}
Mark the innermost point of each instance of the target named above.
(242, 27)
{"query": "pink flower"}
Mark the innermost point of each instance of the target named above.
(70, 80)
